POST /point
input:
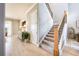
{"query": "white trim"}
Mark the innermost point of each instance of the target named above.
(30, 8)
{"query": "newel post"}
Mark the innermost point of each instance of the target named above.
(56, 50)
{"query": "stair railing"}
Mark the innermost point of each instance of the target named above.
(57, 34)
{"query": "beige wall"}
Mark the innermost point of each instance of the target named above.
(15, 27)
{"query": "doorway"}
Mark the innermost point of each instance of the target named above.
(8, 36)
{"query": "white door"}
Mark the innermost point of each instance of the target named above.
(34, 27)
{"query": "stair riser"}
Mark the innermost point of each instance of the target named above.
(51, 33)
(52, 40)
(50, 36)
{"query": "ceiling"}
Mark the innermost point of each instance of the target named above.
(16, 10)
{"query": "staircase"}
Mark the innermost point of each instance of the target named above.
(51, 40)
(48, 42)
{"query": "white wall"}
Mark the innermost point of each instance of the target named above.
(33, 27)
(72, 20)
(44, 19)
(58, 10)
(73, 15)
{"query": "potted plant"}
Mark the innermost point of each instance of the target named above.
(25, 36)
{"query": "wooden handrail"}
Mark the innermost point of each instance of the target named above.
(58, 33)
(65, 14)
